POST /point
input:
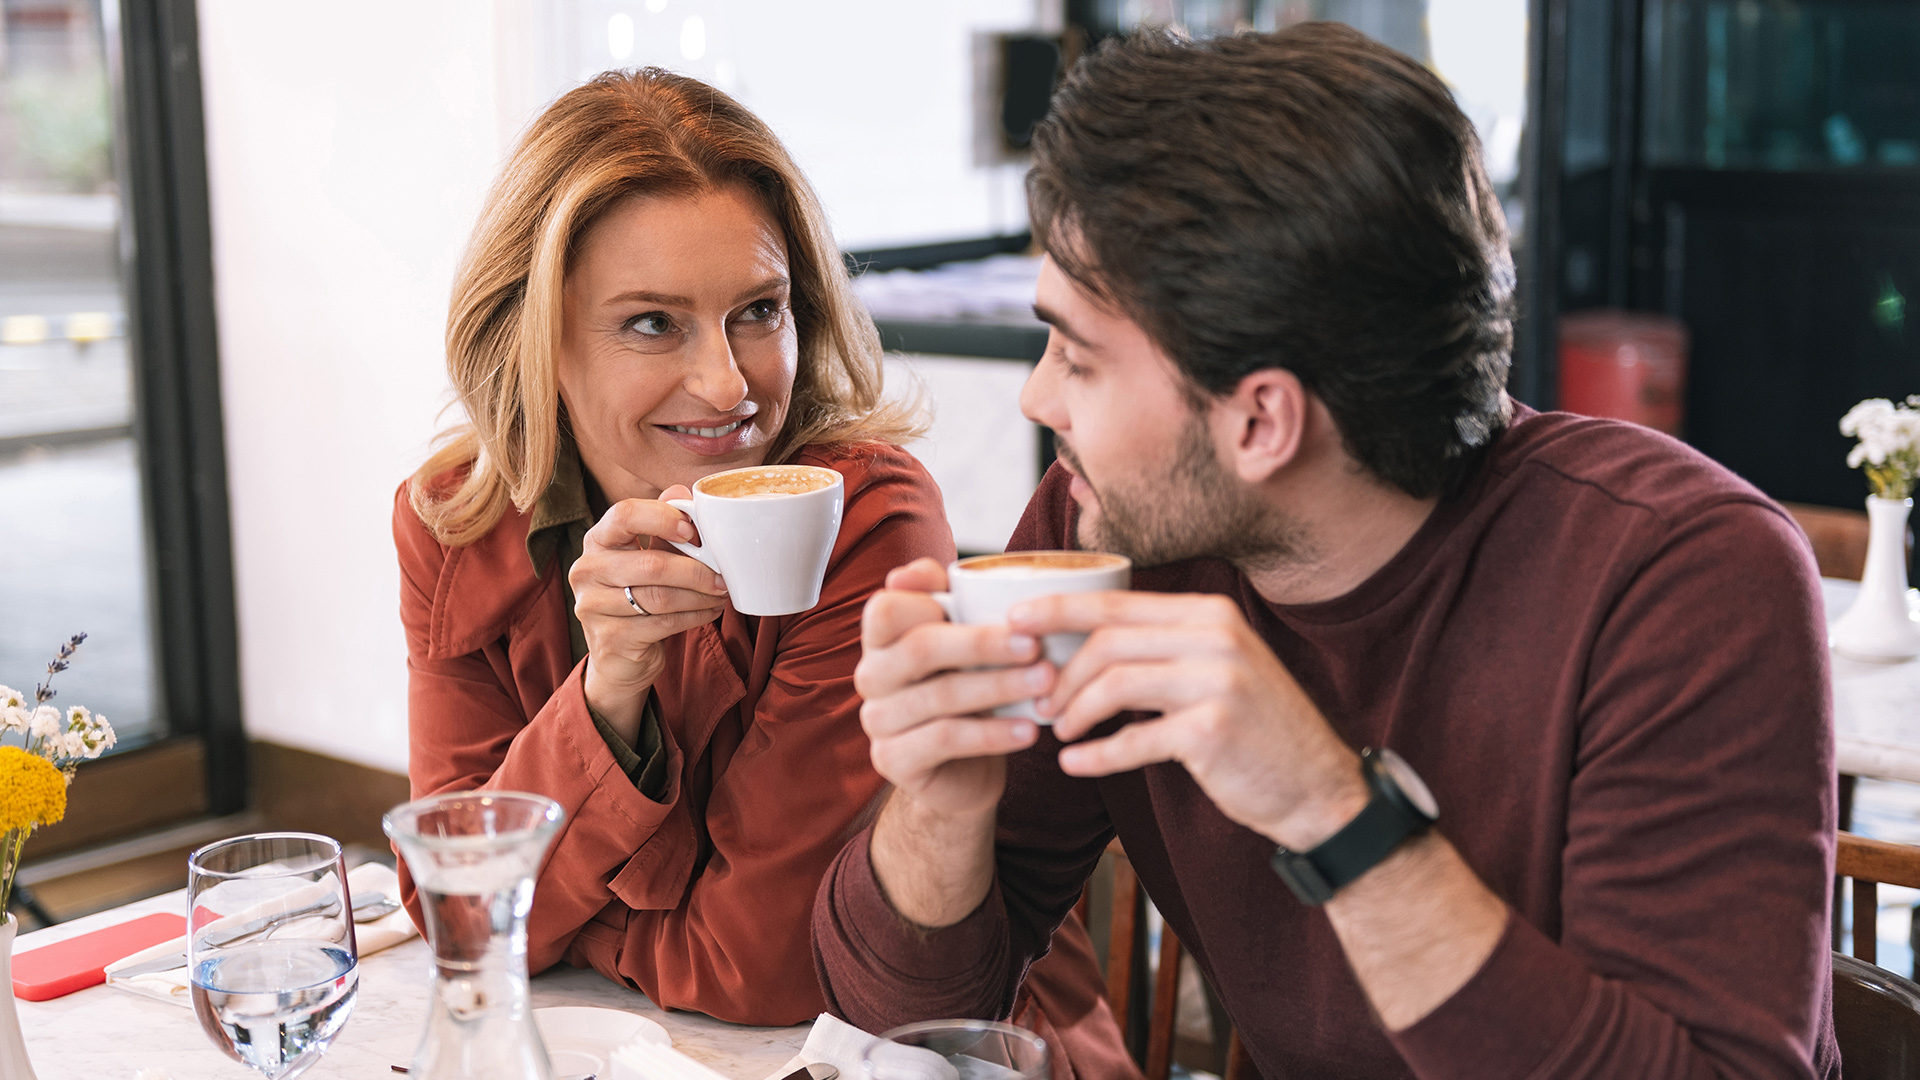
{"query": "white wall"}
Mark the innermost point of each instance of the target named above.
(349, 145)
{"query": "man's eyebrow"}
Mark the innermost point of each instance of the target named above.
(1054, 319)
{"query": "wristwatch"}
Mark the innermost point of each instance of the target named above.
(1401, 808)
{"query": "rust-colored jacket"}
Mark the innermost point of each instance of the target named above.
(702, 901)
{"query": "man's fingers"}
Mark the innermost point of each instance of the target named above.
(1086, 612)
(961, 693)
(921, 575)
(1113, 645)
(923, 749)
(1162, 686)
(630, 522)
(1147, 742)
(934, 647)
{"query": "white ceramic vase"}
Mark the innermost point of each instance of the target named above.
(1881, 624)
(13, 1045)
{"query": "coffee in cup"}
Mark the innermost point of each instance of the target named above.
(769, 531)
(982, 588)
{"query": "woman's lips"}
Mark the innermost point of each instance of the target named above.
(711, 440)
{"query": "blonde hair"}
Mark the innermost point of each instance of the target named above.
(645, 132)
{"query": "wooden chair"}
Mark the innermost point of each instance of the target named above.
(1148, 1023)
(1839, 538)
(1870, 863)
(1876, 1021)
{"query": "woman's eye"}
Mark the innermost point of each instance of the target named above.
(760, 311)
(652, 324)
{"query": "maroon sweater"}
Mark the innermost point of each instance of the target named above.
(1606, 656)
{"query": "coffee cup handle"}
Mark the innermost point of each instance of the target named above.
(697, 551)
(945, 600)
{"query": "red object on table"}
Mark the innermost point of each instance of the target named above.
(55, 970)
(1627, 365)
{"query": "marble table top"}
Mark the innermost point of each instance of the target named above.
(1876, 707)
(105, 1033)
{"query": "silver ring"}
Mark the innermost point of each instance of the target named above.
(635, 603)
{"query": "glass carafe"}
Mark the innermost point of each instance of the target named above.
(473, 856)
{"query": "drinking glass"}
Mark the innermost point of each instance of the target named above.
(956, 1050)
(270, 948)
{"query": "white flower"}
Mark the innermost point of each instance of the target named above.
(78, 717)
(105, 736)
(46, 722)
(14, 719)
(74, 744)
(11, 699)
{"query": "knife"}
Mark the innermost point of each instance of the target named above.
(361, 906)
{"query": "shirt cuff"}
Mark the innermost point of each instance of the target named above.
(646, 764)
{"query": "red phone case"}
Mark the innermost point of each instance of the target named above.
(79, 962)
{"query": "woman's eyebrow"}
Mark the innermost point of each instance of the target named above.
(643, 297)
(767, 286)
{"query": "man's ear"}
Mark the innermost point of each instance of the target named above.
(1261, 426)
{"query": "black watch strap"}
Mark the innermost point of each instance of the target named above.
(1389, 819)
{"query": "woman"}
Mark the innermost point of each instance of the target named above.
(652, 295)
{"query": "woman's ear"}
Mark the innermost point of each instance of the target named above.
(1265, 421)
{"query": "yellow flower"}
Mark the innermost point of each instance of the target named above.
(32, 791)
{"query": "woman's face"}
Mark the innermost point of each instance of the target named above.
(678, 349)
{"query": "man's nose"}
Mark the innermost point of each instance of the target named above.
(1040, 397)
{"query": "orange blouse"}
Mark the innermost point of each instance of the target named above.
(701, 901)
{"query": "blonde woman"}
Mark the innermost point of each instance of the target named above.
(652, 295)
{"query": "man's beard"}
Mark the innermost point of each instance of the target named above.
(1193, 509)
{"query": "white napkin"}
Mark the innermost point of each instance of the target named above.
(835, 1042)
(383, 933)
(643, 1059)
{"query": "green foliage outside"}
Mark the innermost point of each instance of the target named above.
(60, 131)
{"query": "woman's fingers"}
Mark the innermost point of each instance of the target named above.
(602, 571)
(630, 523)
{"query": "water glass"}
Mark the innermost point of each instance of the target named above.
(270, 949)
(956, 1050)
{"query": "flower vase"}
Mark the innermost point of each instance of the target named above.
(13, 1045)
(1881, 625)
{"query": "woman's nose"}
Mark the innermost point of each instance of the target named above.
(715, 378)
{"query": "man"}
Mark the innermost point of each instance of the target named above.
(1280, 305)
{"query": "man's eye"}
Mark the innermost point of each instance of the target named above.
(652, 324)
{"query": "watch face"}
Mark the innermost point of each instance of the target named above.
(1414, 788)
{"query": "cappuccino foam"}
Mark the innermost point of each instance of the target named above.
(766, 482)
(1039, 564)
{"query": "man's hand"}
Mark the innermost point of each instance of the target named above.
(925, 682)
(1416, 927)
(678, 593)
(1233, 715)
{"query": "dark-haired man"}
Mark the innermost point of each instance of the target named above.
(1371, 591)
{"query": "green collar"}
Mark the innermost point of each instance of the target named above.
(564, 503)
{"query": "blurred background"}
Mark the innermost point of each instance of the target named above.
(228, 231)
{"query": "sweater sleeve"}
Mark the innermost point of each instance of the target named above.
(735, 944)
(468, 729)
(1699, 844)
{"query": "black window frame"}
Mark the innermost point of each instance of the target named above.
(166, 248)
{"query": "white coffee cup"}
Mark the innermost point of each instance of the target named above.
(768, 530)
(982, 588)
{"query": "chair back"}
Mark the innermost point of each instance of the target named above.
(1876, 1021)
(1839, 538)
(1870, 863)
(1148, 1022)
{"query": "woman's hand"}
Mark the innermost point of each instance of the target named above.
(676, 592)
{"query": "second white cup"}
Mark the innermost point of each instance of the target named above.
(982, 588)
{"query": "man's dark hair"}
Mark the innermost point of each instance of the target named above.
(1308, 200)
